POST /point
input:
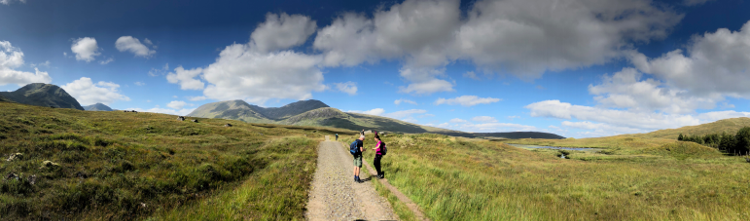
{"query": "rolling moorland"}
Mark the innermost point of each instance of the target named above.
(629, 177)
(63, 163)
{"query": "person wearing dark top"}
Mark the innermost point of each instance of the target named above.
(358, 158)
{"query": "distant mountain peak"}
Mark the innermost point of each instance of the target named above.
(97, 107)
(41, 94)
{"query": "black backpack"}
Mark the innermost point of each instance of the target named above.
(383, 149)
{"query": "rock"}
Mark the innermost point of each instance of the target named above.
(32, 179)
(181, 118)
(82, 175)
(49, 164)
(194, 120)
(228, 125)
(15, 156)
(11, 176)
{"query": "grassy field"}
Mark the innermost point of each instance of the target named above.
(75, 164)
(632, 179)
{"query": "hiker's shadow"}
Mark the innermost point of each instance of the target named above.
(367, 179)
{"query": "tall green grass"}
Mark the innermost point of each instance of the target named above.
(278, 192)
(122, 166)
(459, 179)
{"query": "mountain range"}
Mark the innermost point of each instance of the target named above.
(317, 113)
(301, 113)
(46, 95)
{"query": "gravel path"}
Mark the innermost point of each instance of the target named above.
(335, 195)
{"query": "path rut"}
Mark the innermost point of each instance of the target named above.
(335, 195)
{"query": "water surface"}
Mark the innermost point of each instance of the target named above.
(550, 147)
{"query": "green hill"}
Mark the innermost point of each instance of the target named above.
(97, 107)
(731, 126)
(45, 95)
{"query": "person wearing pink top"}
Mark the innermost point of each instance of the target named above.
(378, 156)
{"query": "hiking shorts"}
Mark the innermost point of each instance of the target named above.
(358, 160)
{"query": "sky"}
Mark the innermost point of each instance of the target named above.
(578, 68)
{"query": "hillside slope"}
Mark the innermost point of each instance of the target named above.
(731, 125)
(232, 110)
(45, 95)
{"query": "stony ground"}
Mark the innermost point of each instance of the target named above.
(335, 195)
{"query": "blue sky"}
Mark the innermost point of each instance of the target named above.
(579, 68)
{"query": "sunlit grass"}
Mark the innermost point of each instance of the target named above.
(115, 165)
(457, 179)
(279, 192)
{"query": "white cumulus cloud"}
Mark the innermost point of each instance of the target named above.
(521, 37)
(467, 100)
(243, 73)
(7, 2)
(86, 92)
(178, 104)
(347, 87)
(186, 78)
(485, 119)
(197, 98)
(404, 113)
(106, 61)
(625, 89)
(399, 101)
(157, 109)
(12, 58)
(495, 127)
(133, 45)
(376, 111)
(85, 49)
(716, 62)
(282, 31)
(458, 120)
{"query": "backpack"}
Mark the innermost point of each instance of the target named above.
(353, 149)
(383, 149)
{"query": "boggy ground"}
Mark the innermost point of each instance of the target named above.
(631, 179)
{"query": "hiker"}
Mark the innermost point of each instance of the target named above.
(356, 149)
(380, 150)
(363, 132)
(337, 137)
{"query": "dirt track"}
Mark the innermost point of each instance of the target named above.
(335, 195)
